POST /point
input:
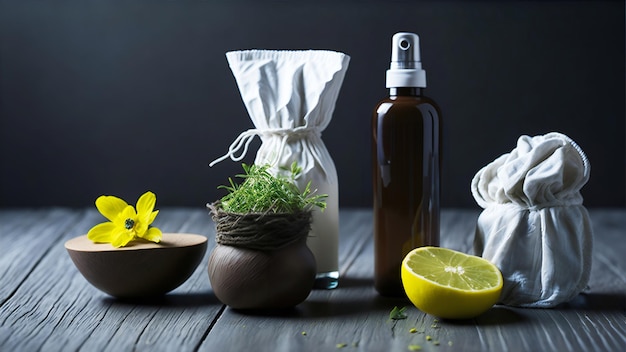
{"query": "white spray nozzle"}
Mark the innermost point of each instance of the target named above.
(405, 69)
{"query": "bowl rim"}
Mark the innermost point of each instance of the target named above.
(169, 240)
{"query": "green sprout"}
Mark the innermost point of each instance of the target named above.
(262, 192)
(397, 313)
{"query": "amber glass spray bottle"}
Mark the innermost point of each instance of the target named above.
(406, 166)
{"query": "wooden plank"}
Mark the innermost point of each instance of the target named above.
(609, 252)
(26, 236)
(56, 309)
(51, 307)
(31, 313)
(356, 316)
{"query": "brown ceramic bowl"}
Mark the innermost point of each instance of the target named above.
(142, 268)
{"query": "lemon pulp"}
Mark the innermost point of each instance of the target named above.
(450, 284)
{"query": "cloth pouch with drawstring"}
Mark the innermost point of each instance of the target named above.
(290, 96)
(534, 226)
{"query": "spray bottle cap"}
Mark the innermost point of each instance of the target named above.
(406, 67)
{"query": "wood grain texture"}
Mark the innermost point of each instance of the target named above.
(45, 304)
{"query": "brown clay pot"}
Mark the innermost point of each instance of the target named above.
(245, 278)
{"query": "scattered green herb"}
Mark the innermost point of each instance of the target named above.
(304, 333)
(415, 347)
(397, 313)
(436, 343)
(428, 337)
(263, 192)
(342, 345)
(413, 330)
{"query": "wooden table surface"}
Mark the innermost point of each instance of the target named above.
(46, 304)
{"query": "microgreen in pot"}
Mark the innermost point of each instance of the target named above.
(261, 260)
(263, 192)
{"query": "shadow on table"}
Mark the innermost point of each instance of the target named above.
(354, 282)
(357, 296)
(591, 301)
(322, 308)
(352, 296)
(380, 306)
(497, 315)
(169, 300)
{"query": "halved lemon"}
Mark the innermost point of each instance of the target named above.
(450, 284)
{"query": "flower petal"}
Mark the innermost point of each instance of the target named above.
(120, 237)
(101, 233)
(145, 204)
(127, 213)
(110, 206)
(153, 234)
(152, 216)
(140, 228)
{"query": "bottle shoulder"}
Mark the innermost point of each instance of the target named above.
(401, 104)
(407, 100)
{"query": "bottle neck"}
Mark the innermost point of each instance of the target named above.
(405, 91)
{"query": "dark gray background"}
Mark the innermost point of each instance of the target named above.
(118, 97)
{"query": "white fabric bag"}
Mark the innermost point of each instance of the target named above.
(534, 226)
(290, 97)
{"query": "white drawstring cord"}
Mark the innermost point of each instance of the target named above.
(246, 137)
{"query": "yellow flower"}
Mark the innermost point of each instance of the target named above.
(125, 223)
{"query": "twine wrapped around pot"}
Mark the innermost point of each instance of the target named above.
(261, 231)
